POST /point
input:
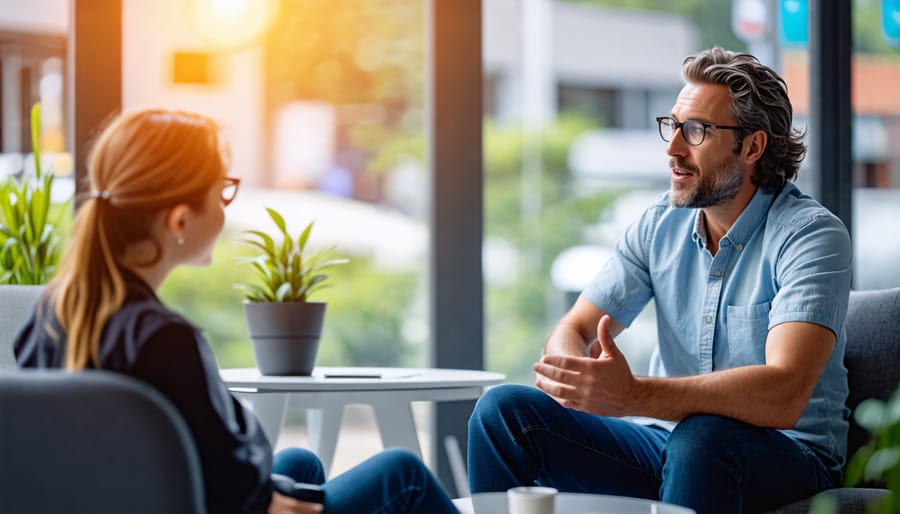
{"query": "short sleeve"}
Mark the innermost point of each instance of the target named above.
(813, 274)
(623, 286)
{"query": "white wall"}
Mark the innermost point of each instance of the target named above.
(152, 30)
(36, 16)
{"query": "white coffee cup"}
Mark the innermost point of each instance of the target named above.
(531, 500)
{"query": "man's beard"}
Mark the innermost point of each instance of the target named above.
(711, 189)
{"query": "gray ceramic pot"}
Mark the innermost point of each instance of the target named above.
(285, 335)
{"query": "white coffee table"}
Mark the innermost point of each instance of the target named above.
(572, 503)
(325, 394)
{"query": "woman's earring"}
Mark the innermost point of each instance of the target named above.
(180, 241)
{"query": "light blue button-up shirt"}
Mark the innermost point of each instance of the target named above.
(786, 258)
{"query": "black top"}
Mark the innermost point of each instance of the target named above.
(147, 341)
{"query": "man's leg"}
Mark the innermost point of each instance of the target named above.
(520, 436)
(719, 465)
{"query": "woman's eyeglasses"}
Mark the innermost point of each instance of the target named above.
(230, 190)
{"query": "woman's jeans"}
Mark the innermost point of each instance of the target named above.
(520, 436)
(394, 481)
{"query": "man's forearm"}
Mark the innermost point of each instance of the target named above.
(759, 395)
(565, 340)
(771, 395)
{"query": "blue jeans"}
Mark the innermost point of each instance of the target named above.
(394, 481)
(520, 436)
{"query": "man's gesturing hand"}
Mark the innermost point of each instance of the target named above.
(601, 384)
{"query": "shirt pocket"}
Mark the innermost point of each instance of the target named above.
(747, 329)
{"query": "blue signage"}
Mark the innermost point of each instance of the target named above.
(795, 22)
(890, 21)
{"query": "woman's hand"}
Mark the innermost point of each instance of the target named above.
(282, 504)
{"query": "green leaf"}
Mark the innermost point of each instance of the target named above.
(36, 137)
(856, 467)
(282, 269)
(254, 293)
(870, 414)
(824, 504)
(304, 236)
(279, 221)
(267, 245)
(29, 222)
(283, 291)
(882, 461)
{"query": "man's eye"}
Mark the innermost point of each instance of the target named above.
(695, 129)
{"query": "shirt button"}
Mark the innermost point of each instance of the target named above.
(717, 273)
(708, 318)
(739, 246)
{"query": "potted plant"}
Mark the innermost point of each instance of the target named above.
(284, 325)
(880, 458)
(31, 240)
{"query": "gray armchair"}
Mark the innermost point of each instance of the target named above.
(15, 304)
(873, 367)
(93, 442)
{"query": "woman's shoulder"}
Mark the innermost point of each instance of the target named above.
(148, 315)
(138, 324)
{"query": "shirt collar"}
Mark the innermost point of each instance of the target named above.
(135, 287)
(742, 228)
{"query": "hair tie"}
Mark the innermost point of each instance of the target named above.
(101, 195)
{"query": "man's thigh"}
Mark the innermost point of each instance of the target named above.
(718, 464)
(575, 451)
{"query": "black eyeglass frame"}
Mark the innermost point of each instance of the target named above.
(229, 182)
(679, 124)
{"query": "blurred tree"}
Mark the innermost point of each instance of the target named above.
(366, 59)
(868, 36)
(518, 318)
(369, 310)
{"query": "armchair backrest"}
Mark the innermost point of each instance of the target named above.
(93, 442)
(15, 304)
(872, 357)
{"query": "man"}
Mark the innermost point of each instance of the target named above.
(744, 406)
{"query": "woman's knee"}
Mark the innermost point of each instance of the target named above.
(400, 458)
(300, 464)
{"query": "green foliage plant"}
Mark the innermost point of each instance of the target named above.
(31, 239)
(284, 272)
(880, 458)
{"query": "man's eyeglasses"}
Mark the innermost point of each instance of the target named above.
(230, 190)
(693, 131)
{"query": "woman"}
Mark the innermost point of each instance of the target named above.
(158, 196)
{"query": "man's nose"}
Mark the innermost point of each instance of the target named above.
(677, 146)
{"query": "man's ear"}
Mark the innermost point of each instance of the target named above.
(754, 146)
(176, 219)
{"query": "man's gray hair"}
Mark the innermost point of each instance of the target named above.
(759, 101)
